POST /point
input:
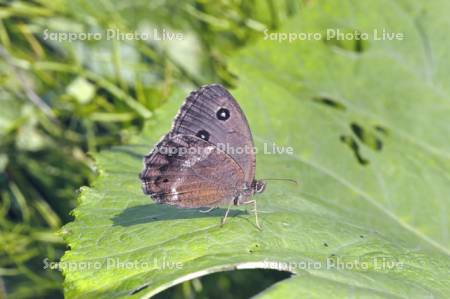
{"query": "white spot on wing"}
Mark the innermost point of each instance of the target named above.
(201, 155)
(174, 193)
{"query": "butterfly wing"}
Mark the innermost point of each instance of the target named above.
(189, 172)
(211, 113)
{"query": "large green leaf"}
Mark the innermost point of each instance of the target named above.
(369, 124)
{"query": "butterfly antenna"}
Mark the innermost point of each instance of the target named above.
(288, 180)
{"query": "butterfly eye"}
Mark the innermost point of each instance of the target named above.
(203, 135)
(223, 114)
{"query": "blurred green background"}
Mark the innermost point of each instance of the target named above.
(62, 100)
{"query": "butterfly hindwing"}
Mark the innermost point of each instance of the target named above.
(187, 171)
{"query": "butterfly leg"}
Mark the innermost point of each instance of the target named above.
(226, 213)
(254, 210)
(208, 210)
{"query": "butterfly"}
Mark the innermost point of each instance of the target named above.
(207, 159)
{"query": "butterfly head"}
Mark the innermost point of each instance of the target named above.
(258, 186)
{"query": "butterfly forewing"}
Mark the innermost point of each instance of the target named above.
(211, 113)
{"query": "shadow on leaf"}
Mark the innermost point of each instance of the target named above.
(154, 212)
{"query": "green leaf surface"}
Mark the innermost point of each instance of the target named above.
(369, 124)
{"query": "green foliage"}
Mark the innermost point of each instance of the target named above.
(366, 124)
(61, 100)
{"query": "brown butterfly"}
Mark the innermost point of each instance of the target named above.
(207, 159)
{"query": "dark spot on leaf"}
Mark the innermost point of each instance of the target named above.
(378, 145)
(361, 236)
(358, 44)
(325, 244)
(254, 247)
(381, 129)
(347, 39)
(165, 180)
(329, 103)
(357, 130)
(351, 142)
(366, 137)
(137, 290)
